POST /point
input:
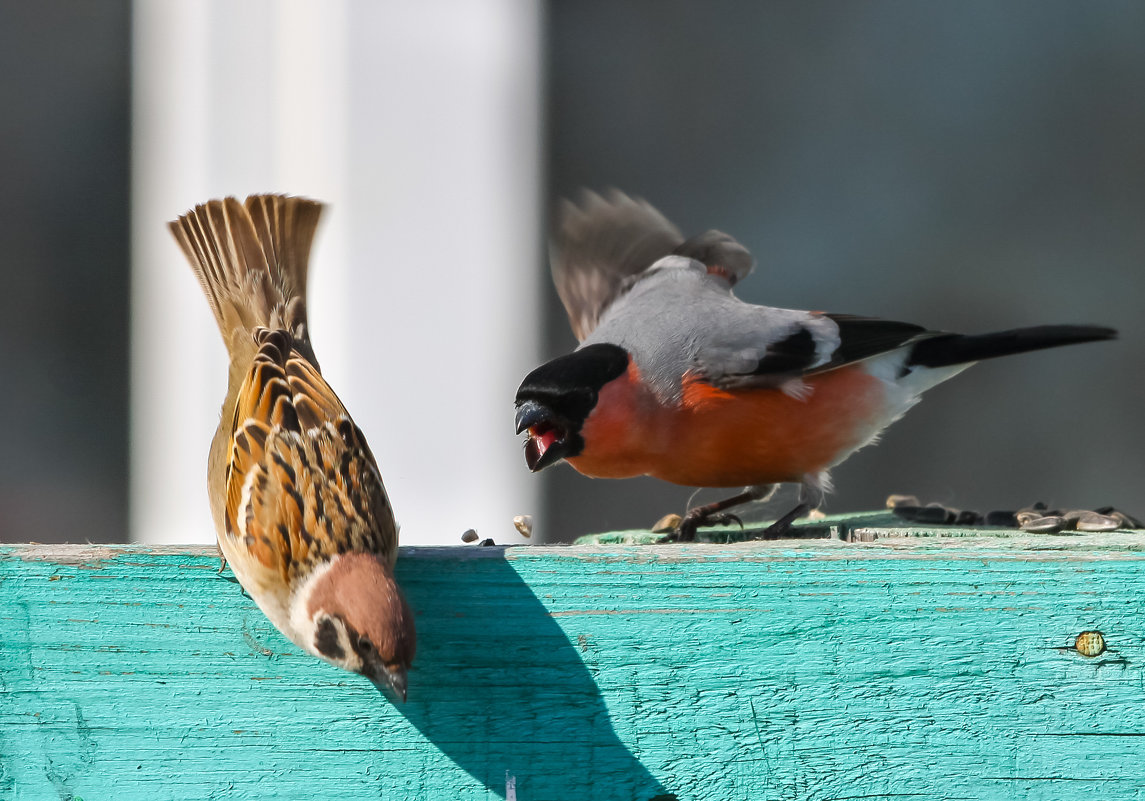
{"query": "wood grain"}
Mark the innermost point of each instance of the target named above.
(906, 667)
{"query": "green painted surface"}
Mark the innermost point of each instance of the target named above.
(812, 669)
(861, 526)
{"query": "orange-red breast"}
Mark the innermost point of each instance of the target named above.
(677, 378)
(300, 511)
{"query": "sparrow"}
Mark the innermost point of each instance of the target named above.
(677, 378)
(299, 507)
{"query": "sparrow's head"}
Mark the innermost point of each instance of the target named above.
(361, 621)
(554, 401)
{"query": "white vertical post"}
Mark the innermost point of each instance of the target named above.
(445, 197)
(420, 125)
(177, 372)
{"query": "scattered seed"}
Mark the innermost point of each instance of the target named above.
(968, 518)
(1123, 520)
(1092, 521)
(1001, 519)
(1036, 517)
(524, 525)
(930, 515)
(1046, 525)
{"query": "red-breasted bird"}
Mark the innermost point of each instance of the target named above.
(300, 511)
(677, 378)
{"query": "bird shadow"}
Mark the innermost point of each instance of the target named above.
(500, 689)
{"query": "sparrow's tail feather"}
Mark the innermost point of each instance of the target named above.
(251, 260)
(950, 349)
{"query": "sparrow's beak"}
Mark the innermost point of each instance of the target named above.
(393, 680)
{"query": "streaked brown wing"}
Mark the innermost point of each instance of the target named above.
(301, 481)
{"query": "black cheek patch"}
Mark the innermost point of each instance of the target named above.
(326, 640)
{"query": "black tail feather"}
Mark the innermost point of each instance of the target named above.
(949, 349)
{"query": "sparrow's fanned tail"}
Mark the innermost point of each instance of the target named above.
(950, 349)
(251, 260)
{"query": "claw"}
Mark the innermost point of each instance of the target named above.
(691, 522)
(724, 519)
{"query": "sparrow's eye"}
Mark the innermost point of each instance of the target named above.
(365, 646)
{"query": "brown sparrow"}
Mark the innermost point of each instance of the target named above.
(299, 507)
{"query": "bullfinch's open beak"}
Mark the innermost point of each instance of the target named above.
(531, 412)
(548, 434)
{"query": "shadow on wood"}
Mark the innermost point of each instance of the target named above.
(479, 693)
(139, 674)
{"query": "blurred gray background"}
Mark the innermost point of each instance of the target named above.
(64, 280)
(970, 166)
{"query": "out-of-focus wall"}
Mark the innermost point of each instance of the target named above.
(419, 124)
(971, 166)
(64, 140)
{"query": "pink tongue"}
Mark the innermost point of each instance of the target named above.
(545, 440)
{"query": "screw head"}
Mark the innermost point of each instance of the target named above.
(1090, 643)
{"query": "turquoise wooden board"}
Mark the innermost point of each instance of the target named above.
(813, 669)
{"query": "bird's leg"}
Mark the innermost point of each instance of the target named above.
(781, 526)
(714, 513)
(222, 562)
(810, 497)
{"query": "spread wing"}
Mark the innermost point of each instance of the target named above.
(602, 245)
(301, 481)
(796, 344)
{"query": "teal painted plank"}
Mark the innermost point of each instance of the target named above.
(934, 667)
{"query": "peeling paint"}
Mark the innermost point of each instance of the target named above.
(915, 667)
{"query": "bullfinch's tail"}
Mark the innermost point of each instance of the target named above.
(251, 259)
(946, 350)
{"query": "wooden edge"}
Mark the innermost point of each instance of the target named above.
(884, 544)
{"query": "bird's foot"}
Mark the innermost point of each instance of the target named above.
(232, 577)
(691, 522)
(234, 580)
(724, 519)
(685, 532)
